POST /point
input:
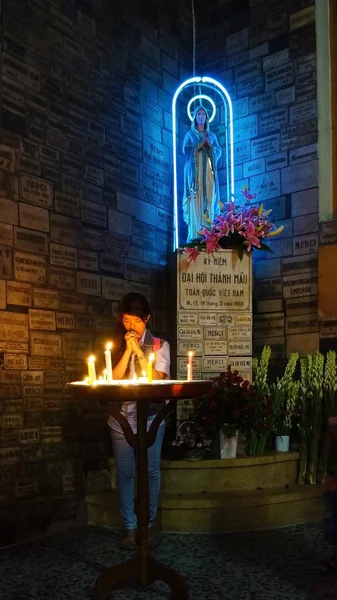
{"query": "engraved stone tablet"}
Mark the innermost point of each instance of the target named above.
(29, 268)
(30, 241)
(114, 288)
(67, 205)
(33, 217)
(6, 258)
(63, 279)
(41, 319)
(36, 191)
(299, 285)
(77, 345)
(65, 320)
(87, 283)
(65, 256)
(45, 344)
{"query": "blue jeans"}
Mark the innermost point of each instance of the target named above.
(124, 457)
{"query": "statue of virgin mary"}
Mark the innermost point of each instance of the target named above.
(201, 185)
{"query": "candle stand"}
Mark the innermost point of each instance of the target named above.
(143, 567)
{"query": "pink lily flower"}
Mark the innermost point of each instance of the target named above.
(251, 236)
(211, 239)
(193, 253)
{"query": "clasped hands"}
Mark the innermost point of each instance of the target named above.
(205, 143)
(132, 343)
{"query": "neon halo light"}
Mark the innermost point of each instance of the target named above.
(201, 97)
(221, 90)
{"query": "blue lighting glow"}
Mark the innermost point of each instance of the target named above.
(207, 82)
(201, 97)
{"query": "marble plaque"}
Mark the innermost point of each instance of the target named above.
(214, 363)
(43, 320)
(111, 263)
(301, 306)
(188, 332)
(6, 259)
(77, 345)
(154, 183)
(30, 241)
(45, 344)
(302, 17)
(33, 217)
(269, 289)
(196, 347)
(93, 214)
(301, 324)
(72, 302)
(29, 268)
(203, 319)
(8, 211)
(85, 322)
(221, 286)
(273, 120)
(215, 333)
(94, 175)
(36, 191)
(6, 234)
(245, 128)
(32, 377)
(296, 179)
(269, 325)
(242, 152)
(285, 96)
(254, 167)
(9, 186)
(328, 330)
(237, 41)
(303, 264)
(65, 320)
(131, 128)
(12, 421)
(266, 306)
(88, 261)
(156, 155)
(188, 319)
(239, 348)
(215, 347)
(92, 239)
(88, 283)
(63, 279)
(19, 294)
(279, 77)
(276, 161)
(182, 364)
(74, 187)
(303, 112)
(328, 232)
(300, 285)
(276, 59)
(15, 361)
(7, 158)
(63, 230)
(67, 205)
(65, 256)
(115, 243)
(136, 271)
(264, 101)
(251, 86)
(266, 185)
(265, 146)
(45, 298)
(239, 333)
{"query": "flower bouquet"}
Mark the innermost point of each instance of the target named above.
(243, 227)
(222, 408)
(285, 395)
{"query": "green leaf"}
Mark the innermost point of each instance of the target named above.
(266, 248)
(240, 251)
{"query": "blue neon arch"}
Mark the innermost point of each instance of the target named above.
(218, 87)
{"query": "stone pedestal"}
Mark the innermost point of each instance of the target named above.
(214, 315)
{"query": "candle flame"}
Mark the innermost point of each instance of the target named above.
(143, 373)
(108, 346)
(151, 358)
(91, 359)
(135, 377)
(190, 354)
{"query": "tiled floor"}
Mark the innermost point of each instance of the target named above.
(270, 565)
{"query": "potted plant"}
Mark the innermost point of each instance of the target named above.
(284, 393)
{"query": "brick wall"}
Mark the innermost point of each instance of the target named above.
(85, 216)
(265, 55)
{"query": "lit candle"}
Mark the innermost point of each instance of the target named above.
(108, 364)
(149, 368)
(104, 375)
(190, 367)
(143, 378)
(91, 371)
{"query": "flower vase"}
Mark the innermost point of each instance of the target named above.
(282, 443)
(256, 442)
(227, 444)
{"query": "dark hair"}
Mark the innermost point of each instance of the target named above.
(134, 304)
